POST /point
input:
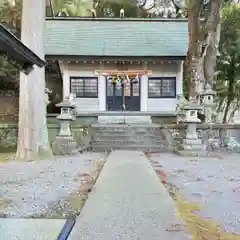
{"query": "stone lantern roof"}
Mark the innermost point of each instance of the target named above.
(65, 103)
(208, 91)
(191, 106)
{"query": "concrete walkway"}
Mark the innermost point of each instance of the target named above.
(128, 203)
(30, 229)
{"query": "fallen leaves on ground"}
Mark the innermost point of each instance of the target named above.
(200, 228)
(154, 162)
(158, 165)
(4, 157)
(176, 228)
(148, 154)
(193, 160)
(83, 175)
(162, 175)
(4, 203)
(181, 171)
(74, 204)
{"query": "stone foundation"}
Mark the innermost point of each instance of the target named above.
(8, 135)
(64, 146)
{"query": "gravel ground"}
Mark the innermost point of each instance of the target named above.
(214, 183)
(30, 189)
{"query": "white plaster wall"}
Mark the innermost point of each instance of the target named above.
(99, 104)
(166, 70)
(83, 70)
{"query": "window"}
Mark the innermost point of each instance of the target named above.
(84, 87)
(162, 87)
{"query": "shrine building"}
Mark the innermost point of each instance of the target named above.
(119, 68)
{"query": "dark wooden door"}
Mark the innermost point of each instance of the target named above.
(114, 96)
(132, 96)
(120, 95)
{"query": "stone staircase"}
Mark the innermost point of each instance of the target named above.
(145, 137)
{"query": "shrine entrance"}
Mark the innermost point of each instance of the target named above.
(123, 96)
(123, 89)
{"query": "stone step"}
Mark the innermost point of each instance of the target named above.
(131, 145)
(132, 125)
(122, 128)
(126, 126)
(129, 132)
(127, 129)
(132, 130)
(144, 148)
(128, 136)
(136, 119)
(127, 142)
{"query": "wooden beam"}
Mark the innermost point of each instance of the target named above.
(122, 72)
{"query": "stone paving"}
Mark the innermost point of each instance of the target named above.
(129, 202)
(30, 229)
(212, 182)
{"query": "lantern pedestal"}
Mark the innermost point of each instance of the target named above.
(65, 144)
(191, 144)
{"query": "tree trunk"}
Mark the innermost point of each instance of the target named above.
(220, 105)
(212, 37)
(193, 30)
(234, 108)
(203, 45)
(230, 97)
(33, 141)
(225, 116)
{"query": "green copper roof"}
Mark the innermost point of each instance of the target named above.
(116, 37)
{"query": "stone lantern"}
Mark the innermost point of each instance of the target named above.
(207, 97)
(191, 141)
(65, 143)
(180, 113)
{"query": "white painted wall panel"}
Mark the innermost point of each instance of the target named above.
(165, 70)
(147, 104)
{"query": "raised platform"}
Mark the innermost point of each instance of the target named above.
(128, 113)
(127, 116)
(125, 119)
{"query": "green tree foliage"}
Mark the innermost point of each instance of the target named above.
(111, 8)
(73, 7)
(10, 16)
(228, 84)
(102, 8)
